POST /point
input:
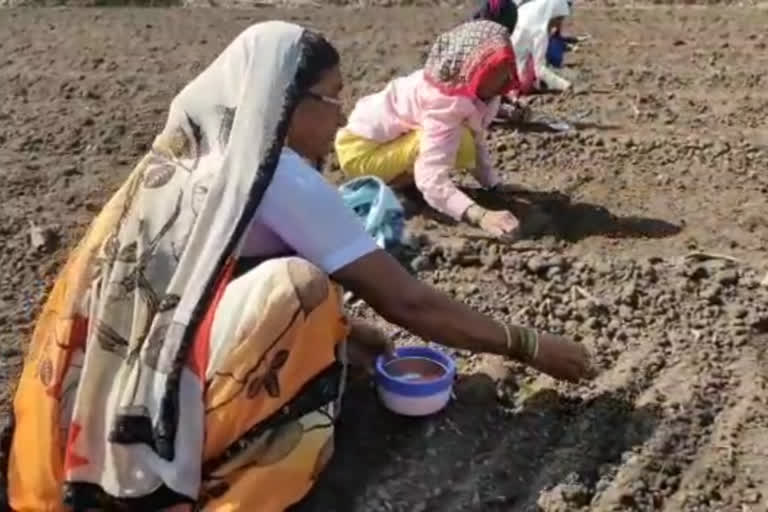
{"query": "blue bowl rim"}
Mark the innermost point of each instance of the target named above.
(405, 387)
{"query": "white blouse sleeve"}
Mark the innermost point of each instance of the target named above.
(308, 214)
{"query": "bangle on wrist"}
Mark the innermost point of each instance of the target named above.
(508, 335)
(528, 343)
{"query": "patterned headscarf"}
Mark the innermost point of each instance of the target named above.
(461, 58)
(500, 11)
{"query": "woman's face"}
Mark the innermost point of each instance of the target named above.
(317, 117)
(494, 83)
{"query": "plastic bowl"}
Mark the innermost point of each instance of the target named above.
(418, 381)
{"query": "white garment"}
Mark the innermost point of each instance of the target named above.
(531, 37)
(301, 213)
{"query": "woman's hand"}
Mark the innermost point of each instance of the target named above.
(366, 342)
(563, 359)
(516, 112)
(497, 223)
(501, 224)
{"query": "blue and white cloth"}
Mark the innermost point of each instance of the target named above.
(378, 208)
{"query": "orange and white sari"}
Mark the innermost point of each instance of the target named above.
(155, 375)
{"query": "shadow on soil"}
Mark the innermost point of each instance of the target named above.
(553, 213)
(474, 457)
(544, 127)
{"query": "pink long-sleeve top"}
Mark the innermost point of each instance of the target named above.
(410, 103)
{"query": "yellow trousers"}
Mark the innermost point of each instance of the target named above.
(359, 156)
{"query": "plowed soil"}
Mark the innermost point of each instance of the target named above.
(648, 231)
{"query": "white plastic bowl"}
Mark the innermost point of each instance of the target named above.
(418, 381)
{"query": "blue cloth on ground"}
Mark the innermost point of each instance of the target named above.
(378, 208)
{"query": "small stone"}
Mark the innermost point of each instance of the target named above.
(563, 498)
(625, 311)
(383, 494)
(728, 277)
(571, 326)
(592, 323)
(760, 323)
(43, 239)
(9, 352)
(491, 261)
(711, 293)
(467, 260)
(575, 494)
(536, 264)
(553, 272)
(421, 263)
(629, 294)
(478, 389)
(736, 310)
(435, 252)
(696, 272)
(753, 497)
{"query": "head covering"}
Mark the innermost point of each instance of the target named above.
(531, 36)
(136, 288)
(461, 58)
(503, 12)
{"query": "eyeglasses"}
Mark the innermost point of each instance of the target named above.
(325, 99)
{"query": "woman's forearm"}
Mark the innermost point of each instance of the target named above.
(429, 313)
(437, 317)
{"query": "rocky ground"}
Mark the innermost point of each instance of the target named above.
(653, 253)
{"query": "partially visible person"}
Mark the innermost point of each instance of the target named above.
(537, 21)
(193, 351)
(425, 126)
(560, 43)
(503, 12)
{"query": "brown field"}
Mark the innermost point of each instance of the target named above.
(669, 161)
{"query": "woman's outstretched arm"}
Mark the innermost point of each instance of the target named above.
(427, 312)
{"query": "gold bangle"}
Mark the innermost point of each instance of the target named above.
(528, 348)
(529, 343)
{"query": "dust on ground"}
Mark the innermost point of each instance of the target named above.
(652, 251)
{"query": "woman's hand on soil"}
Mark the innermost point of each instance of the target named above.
(515, 112)
(501, 224)
(563, 359)
(366, 342)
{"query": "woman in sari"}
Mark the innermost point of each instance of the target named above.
(193, 351)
